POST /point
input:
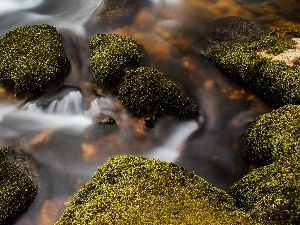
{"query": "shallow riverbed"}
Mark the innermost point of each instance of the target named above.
(64, 140)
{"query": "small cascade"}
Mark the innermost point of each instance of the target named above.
(103, 105)
(170, 150)
(66, 112)
(71, 104)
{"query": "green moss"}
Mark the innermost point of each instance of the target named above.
(31, 58)
(274, 135)
(296, 61)
(273, 42)
(271, 193)
(110, 55)
(18, 185)
(273, 80)
(295, 209)
(145, 91)
(295, 33)
(135, 190)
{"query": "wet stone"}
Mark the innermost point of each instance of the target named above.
(18, 185)
(150, 121)
(104, 119)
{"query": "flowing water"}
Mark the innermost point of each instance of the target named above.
(58, 129)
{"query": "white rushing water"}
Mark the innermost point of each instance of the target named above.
(5, 110)
(14, 5)
(68, 112)
(74, 16)
(170, 150)
(15, 122)
(72, 104)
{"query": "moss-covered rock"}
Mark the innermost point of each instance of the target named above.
(31, 58)
(135, 190)
(250, 53)
(145, 91)
(274, 135)
(110, 55)
(18, 185)
(271, 193)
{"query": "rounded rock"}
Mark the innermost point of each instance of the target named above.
(32, 58)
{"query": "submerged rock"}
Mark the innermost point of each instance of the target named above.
(110, 55)
(101, 118)
(231, 30)
(290, 8)
(117, 13)
(145, 91)
(271, 193)
(136, 190)
(31, 58)
(262, 58)
(274, 135)
(18, 185)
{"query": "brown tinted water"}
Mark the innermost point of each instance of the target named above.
(67, 145)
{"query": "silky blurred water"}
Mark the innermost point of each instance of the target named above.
(15, 5)
(59, 129)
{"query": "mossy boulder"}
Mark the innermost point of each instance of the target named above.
(257, 56)
(32, 58)
(18, 185)
(136, 190)
(274, 135)
(271, 193)
(110, 55)
(145, 91)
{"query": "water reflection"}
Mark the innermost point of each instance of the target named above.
(57, 129)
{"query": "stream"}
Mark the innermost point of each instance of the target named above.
(58, 129)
